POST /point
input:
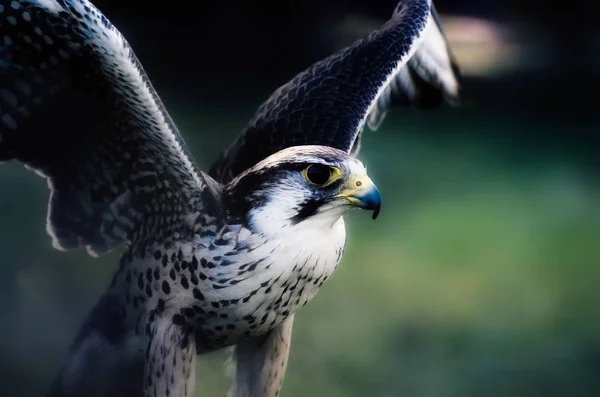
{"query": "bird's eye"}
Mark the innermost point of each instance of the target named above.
(321, 175)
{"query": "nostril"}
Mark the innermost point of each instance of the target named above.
(358, 183)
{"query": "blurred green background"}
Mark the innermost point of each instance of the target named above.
(480, 277)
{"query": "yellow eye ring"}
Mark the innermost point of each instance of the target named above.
(321, 175)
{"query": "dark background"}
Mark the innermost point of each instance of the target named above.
(481, 275)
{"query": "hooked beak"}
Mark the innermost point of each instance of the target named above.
(362, 193)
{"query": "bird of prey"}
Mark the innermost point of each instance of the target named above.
(213, 260)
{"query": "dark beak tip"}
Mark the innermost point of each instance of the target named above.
(376, 212)
(373, 202)
(375, 206)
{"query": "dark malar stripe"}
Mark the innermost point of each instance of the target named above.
(307, 209)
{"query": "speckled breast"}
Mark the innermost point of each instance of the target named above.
(227, 288)
(281, 278)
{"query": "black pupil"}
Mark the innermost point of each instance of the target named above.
(318, 174)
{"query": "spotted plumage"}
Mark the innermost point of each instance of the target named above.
(214, 289)
(210, 261)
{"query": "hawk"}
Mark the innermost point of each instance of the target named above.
(211, 260)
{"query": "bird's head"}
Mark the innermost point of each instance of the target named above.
(301, 185)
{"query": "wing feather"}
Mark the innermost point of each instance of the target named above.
(430, 77)
(77, 107)
(407, 61)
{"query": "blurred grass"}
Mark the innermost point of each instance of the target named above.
(480, 277)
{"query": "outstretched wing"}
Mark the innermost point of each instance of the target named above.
(77, 107)
(407, 61)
